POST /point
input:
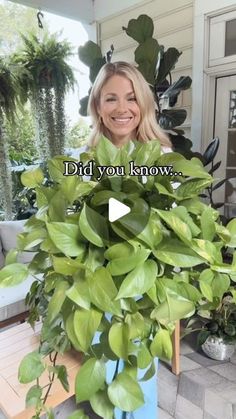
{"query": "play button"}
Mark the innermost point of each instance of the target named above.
(116, 210)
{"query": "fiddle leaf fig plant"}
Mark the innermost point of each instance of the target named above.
(110, 294)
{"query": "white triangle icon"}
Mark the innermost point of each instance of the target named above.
(116, 209)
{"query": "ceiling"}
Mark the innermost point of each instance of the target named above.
(81, 10)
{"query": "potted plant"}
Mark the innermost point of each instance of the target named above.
(105, 291)
(48, 79)
(217, 336)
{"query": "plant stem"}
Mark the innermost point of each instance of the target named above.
(116, 370)
(53, 360)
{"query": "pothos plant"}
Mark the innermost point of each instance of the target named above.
(114, 299)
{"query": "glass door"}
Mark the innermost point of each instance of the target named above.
(225, 129)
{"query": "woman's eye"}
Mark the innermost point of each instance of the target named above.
(110, 99)
(132, 99)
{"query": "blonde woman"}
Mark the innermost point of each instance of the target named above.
(122, 107)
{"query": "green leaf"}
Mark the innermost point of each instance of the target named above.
(78, 414)
(136, 325)
(147, 154)
(57, 207)
(95, 257)
(86, 323)
(138, 281)
(66, 266)
(149, 373)
(125, 393)
(192, 187)
(140, 29)
(175, 253)
(144, 357)
(33, 396)
(27, 241)
(189, 292)
(89, 379)
(79, 293)
(103, 291)
(192, 168)
(119, 339)
(119, 265)
(183, 214)
(206, 250)
(33, 177)
(180, 228)
(70, 330)
(101, 404)
(13, 274)
(65, 237)
(57, 300)
(93, 226)
(161, 345)
(170, 57)
(175, 307)
(31, 367)
(106, 152)
(146, 55)
(207, 224)
(11, 257)
(70, 187)
(56, 167)
(220, 284)
(231, 226)
(62, 376)
(89, 52)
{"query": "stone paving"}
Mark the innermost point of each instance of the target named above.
(205, 389)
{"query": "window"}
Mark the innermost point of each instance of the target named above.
(230, 37)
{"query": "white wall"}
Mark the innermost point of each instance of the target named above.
(105, 8)
(201, 9)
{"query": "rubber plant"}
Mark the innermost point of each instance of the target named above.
(50, 78)
(108, 295)
(155, 63)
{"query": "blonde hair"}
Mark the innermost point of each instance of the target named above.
(148, 128)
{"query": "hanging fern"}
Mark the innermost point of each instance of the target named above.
(51, 77)
(8, 98)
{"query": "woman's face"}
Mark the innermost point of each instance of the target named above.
(119, 110)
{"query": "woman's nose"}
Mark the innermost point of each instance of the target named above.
(121, 106)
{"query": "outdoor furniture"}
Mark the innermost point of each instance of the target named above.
(12, 299)
(15, 343)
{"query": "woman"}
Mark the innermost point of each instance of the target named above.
(122, 107)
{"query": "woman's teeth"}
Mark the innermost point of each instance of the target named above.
(121, 120)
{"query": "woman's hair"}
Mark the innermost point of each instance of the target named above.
(148, 128)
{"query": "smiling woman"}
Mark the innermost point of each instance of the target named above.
(122, 107)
